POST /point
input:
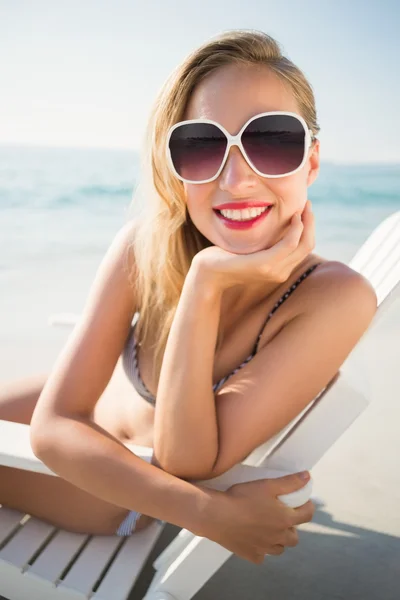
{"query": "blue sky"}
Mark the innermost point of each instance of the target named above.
(85, 73)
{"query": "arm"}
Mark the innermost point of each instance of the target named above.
(90, 458)
(185, 426)
(63, 434)
(291, 370)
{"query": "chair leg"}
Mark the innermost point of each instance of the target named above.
(172, 551)
(201, 559)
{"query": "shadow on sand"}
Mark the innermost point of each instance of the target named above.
(333, 561)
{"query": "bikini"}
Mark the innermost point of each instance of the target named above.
(130, 365)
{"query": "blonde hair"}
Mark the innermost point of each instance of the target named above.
(166, 240)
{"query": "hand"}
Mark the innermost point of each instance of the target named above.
(251, 521)
(226, 269)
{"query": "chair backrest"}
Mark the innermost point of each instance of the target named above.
(378, 260)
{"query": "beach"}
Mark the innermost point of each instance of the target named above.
(59, 211)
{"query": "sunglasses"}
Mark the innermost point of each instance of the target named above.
(274, 144)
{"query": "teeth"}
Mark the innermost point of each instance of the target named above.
(243, 215)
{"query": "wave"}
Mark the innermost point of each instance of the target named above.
(53, 199)
(105, 190)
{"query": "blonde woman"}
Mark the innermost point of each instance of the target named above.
(210, 324)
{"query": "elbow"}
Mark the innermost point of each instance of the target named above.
(183, 469)
(40, 440)
(44, 436)
(195, 471)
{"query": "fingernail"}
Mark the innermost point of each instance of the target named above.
(304, 475)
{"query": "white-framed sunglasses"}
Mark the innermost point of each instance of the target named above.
(274, 144)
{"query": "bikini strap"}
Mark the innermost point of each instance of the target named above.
(282, 300)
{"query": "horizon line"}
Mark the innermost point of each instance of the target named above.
(29, 145)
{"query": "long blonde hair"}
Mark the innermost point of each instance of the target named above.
(166, 240)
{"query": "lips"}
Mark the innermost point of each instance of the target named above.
(242, 205)
(245, 224)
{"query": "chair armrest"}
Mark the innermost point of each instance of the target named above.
(16, 450)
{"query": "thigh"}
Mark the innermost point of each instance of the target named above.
(58, 502)
(18, 398)
(53, 499)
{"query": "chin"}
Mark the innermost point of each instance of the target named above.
(243, 248)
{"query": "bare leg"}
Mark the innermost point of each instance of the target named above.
(58, 502)
(51, 499)
(18, 398)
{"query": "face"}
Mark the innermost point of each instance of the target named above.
(230, 96)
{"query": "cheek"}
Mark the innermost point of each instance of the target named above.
(198, 199)
(199, 202)
(291, 192)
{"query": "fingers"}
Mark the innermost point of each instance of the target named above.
(303, 233)
(307, 241)
(299, 239)
(291, 537)
(290, 242)
(288, 539)
(303, 514)
(276, 550)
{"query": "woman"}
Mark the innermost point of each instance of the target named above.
(240, 324)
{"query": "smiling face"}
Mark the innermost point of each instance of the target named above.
(230, 96)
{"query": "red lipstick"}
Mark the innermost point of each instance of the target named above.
(242, 205)
(245, 224)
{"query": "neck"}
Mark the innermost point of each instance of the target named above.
(241, 299)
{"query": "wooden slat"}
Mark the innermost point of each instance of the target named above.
(21, 547)
(87, 569)
(128, 564)
(378, 259)
(174, 548)
(51, 563)
(9, 520)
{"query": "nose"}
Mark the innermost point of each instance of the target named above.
(237, 176)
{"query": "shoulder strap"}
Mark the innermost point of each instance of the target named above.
(282, 300)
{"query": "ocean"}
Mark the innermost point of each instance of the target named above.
(60, 209)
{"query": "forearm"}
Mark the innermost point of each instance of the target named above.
(185, 426)
(90, 458)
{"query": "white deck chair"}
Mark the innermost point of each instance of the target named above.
(41, 562)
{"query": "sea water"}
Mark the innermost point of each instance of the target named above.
(61, 208)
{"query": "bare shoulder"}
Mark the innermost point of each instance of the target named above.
(115, 273)
(335, 276)
(123, 244)
(335, 284)
(88, 359)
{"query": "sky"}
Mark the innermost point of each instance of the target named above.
(85, 73)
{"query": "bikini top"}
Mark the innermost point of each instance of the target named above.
(129, 354)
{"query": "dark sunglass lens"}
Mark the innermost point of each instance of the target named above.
(274, 144)
(197, 150)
